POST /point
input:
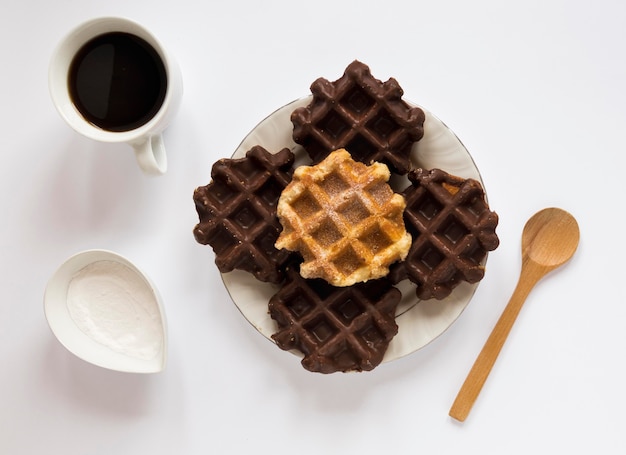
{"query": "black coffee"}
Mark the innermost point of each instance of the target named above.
(117, 81)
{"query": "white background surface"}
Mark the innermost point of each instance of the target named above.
(534, 89)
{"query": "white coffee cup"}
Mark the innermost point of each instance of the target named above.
(145, 138)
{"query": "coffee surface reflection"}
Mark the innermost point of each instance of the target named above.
(117, 81)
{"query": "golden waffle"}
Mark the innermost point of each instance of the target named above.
(452, 229)
(344, 219)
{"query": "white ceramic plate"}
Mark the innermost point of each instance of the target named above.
(104, 310)
(419, 322)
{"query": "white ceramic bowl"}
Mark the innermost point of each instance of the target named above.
(104, 310)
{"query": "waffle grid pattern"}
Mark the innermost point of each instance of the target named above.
(452, 229)
(361, 114)
(337, 329)
(344, 219)
(237, 212)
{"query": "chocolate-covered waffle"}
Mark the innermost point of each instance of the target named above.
(361, 114)
(337, 329)
(344, 219)
(452, 229)
(237, 212)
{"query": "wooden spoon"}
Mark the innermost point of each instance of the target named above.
(549, 240)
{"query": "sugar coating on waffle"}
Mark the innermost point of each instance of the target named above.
(361, 114)
(452, 228)
(337, 329)
(344, 219)
(237, 212)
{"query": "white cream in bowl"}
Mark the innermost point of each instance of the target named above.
(103, 309)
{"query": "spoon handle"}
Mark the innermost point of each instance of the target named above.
(486, 359)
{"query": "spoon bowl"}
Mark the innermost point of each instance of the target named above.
(549, 240)
(551, 226)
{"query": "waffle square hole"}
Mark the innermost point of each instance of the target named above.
(321, 329)
(347, 310)
(347, 261)
(246, 261)
(354, 211)
(453, 230)
(306, 205)
(427, 206)
(250, 171)
(383, 125)
(357, 101)
(361, 149)
(223, 240)
(380, 192)
(327, 233)
(371, 335)
(474, 253)
(267, 239)
(333, 184)
(220, 192)
(270, 191)
(299, 305)
(429, 256)
(376, 240)
(476, 205)
(333, 125)
(344, 357)
(245, 216)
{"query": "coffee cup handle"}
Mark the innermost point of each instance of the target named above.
(151, 156)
